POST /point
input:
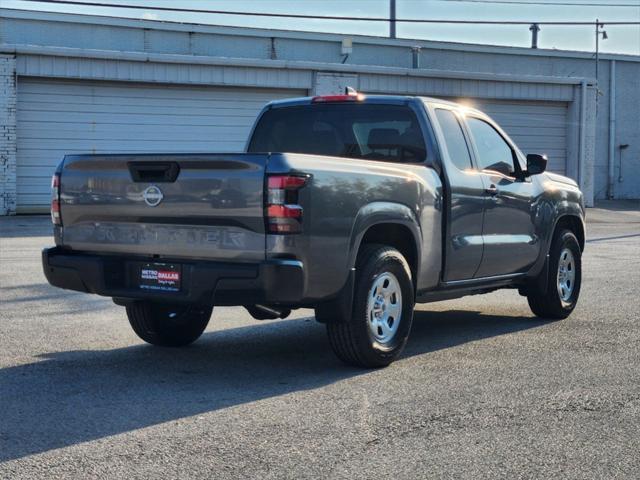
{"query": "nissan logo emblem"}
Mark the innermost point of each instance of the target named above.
(152, 196)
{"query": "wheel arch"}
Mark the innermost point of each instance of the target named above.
(571, 222)
(394, 235)
(389, 224)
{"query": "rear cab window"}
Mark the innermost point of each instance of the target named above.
(455, 141)
(355, 130)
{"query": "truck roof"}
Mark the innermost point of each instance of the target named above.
(388, 99)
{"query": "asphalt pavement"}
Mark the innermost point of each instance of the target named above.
(484, 390)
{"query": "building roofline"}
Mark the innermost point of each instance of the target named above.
(287, 64)
(301, 35)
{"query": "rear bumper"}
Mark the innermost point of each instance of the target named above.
(213, 283)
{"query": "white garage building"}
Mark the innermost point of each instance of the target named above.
(78, 84)
(57, 116)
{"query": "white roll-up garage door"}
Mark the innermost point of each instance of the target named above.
(536, 127)
(65, 117)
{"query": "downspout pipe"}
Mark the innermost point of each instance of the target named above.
(583, 133)
(612, 129)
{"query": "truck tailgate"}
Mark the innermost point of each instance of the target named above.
(206, 206)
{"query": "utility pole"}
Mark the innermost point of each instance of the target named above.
(534, 29)
(392, 18)
(599, 31)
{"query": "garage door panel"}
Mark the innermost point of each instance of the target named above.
(101, 135)
(552, 155)
(548, 132)
(199, 110)
(545, 143)
(31, 202)
(158, 145)
(135, 118)
(141, 96)
(142, 91)
(57, 118)
(511, 106)
(107, 104)
(119, 141)
(44, 158)
(32, 171)
(539, 121)
(39, 154)
(72, 130)
(32, 186)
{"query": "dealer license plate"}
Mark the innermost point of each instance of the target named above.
(163, 277)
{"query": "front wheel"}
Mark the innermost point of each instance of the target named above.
(168, 325)
(563, 281)
(382, 310)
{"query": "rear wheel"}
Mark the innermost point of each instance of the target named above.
(168, 325)
(563, 281)
(382, 310)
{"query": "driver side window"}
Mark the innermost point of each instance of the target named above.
(494, 153)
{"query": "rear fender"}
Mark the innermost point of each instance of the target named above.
(372, 214)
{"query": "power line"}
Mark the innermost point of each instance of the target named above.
(551, 4)
(325, 17)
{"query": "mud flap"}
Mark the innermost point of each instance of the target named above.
(539, 283)
(340, 308)
(543, 278)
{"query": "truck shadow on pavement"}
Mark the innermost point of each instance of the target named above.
(78, 396)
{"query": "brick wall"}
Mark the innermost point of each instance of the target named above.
(8, 147)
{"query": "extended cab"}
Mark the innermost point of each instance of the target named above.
(356, 206)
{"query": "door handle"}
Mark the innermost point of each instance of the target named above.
(492, 190)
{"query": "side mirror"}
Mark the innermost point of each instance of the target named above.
(536, 164)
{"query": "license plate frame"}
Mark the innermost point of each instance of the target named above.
(160, 277)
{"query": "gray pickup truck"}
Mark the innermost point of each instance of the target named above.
(356, 206)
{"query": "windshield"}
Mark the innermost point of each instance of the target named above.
(369, 131)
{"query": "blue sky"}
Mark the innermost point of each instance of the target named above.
(622, 39)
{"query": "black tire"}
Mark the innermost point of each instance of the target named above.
(551, 304)
(168, 325)
(353, 341)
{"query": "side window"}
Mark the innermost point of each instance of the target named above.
(494, 152)
(454, 139)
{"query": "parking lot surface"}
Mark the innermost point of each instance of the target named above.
(483, 390)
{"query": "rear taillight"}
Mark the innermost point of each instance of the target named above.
(55, 199)
(283, 213)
